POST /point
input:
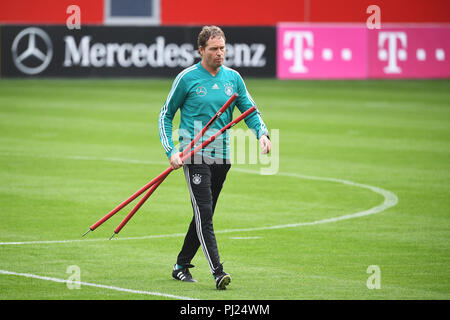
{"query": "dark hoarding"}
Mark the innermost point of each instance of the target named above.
(119, 51)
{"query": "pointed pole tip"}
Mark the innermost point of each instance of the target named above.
(86, 233)
(112, 236)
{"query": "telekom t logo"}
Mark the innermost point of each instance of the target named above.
(393, 52)
(301, 49)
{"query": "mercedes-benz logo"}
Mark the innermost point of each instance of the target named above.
(38, 53)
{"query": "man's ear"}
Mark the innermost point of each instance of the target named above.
(201, 50)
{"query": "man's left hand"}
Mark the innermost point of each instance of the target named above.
(265, 144)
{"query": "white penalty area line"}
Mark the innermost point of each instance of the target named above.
(95, 285)
(390, 200)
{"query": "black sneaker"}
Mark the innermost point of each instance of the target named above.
(222, 278)
(183, 274)
(222, 281)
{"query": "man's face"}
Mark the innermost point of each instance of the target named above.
(214, 52)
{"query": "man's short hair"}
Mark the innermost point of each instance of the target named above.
(207, 33)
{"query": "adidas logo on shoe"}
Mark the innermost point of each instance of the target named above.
(183, 274)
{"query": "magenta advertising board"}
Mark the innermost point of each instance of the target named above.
(352, 51)
(409, 52)
(321, 51)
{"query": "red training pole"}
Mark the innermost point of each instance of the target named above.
(131, 198)
(136, 208)
(210, 123)
(203, 145)
(165, 172)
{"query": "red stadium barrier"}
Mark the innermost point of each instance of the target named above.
(49, 12)
(235, 12)
(270, 12)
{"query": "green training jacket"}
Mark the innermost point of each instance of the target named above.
(199, 95)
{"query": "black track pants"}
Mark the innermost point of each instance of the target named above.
(205, 182)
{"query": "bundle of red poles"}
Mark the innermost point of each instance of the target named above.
(187, 153)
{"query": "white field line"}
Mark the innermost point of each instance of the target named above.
(86, 158)
(118, 160)
(390, 200)
(95, 285)
(244, 238)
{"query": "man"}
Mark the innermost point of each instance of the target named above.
(199, 91)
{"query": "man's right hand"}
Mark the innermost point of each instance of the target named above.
(175, 161)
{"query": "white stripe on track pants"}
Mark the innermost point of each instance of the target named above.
(204, 182)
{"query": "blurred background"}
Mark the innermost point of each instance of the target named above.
(303, 39)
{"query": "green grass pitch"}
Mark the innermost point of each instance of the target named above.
(71, 150)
